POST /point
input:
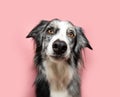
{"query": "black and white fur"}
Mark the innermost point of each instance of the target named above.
(57, 56)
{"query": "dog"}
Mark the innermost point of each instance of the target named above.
(58, 57)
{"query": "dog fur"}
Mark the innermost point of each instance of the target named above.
(58, 73)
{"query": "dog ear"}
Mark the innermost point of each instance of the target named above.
(82, 40)
(36, 30)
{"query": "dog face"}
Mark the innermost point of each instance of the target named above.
(62, 38)
(58, 40)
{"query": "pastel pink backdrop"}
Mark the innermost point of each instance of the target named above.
(101, 22)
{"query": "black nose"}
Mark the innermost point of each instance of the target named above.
(59, 47)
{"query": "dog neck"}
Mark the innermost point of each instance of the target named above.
(58, 74)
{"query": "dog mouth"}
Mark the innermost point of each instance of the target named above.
(58, 57)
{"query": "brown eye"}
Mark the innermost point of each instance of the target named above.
(50, 31)
(71, 34)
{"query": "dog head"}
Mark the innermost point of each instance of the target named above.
(58, 40)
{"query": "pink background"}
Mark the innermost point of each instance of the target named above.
(101, 22)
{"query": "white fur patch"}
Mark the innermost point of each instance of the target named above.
(63, 93)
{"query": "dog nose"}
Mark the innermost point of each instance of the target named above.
(59, 47)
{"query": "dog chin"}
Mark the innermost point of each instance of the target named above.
(56, 58)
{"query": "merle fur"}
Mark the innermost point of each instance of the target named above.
(42, 85)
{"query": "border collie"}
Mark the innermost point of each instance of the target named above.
(58, 57)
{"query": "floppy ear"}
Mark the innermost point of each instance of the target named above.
(36, 30)
(37, 35)
(81, 39)
(80, 42)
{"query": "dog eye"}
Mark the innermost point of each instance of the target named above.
(71, 34)
(50, 31)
